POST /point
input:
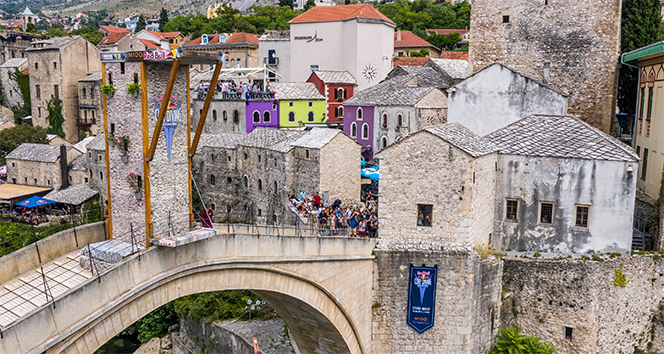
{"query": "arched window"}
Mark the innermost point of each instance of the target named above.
(353, 130)
(341, 112)
(224, 114)
(365, 131)
(359, 113)
(266, 117)
(336, 112)
(214, 115)
(275, 186)
(245, 181)
(399, 120)
(383, 143)
(291, 116)
(204, 39)
(257, 117)
(238, 63)
(227, 63)
(384, 122)
(311, 116)
(260, 184)
(213, 180)
(236, 117)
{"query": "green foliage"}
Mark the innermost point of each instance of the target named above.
(219, 305)
(55, 117)
(14, 236)
(444, 41)
(309, 4)
(133, 87)
(423, 14)
(108, 88)
(163, 19)
(155, 324)
(620, 279)
(140, 24)
(289, 3)
(11, 138)
(31, 28)
(641, 25)
(421, 53)
(57, 30)
(24, 110)
(90, 33)
(511, 341)
(2, 96)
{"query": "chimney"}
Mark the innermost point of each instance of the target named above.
(398, 35)
(64, 170)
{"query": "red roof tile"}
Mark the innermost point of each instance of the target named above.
(454, 55)
(114, 29)
(448, 31)
(150, 44)
(242, 37)
(408, 39)
(113, 38)
(26, 71)
(163, 35)
(410, 61)
(212, 39)
(340, 13)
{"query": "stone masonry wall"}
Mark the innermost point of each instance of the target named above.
(467, 302)
(545, 296)
(572, 45)
(225, 111)
(483, 188)
(339, 172)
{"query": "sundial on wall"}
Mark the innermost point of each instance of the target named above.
(369, 72)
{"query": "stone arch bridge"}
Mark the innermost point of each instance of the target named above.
(320, 286)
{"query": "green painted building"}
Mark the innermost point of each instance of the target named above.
(299, 102)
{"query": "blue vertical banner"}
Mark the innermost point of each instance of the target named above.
(422, 297)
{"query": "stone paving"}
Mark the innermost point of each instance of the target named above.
(21, 295)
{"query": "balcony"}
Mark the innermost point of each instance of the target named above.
(85, 122)
(232, 96)
(271, 61)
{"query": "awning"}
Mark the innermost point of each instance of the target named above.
(3, 170)
(35, 202)
(74, 195)
(18, 192)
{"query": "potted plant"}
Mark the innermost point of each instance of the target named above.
(108, 90)
(111, 140)
(135, 183)
(133, 89)
(123, 145)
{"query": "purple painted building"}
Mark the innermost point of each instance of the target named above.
(262, 113)
(359, 125)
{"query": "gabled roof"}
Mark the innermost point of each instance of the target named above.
(242, 38)
(559, 136)
(280, 140)
(114, 29)
(14, 63)
(113, 38)
(213, 38)
(52, 43)
(341, 13)
(79, 164)
(27, 12)
(411, 40)
(405, 86)
(75, 195)
(150, 44)
(649, 51)
(316, 138)
(335, 77)
(463, 138)
(457, 69)
(163, 35)
(98, 143)
(296, 91)
(420, 76)
(518, 73)
(82, 145)
(93, 76)
(410, 61)
(36, 152)
(454, 55)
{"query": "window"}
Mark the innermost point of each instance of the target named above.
(424, 212)
(313, 68)
(236, 117)
(310, 117)
(306, 153)
(101, 175)
(291, 116)
(259, 157)
(643, 97)
(260, 184)
(84, 92)
(245, 181)
(212, 157)
(290, 104)
(383, 142)
(384, 123)
(260, 212)
(644, 169)
(353, 130)
(336, 112)
(38, 112)
(582, 216)
(257, 117)
(55, 65)
(92, 92)
(399, 120)
(365, 131)
(546, 213)
(506, 19)
(25, 179)
(638, 151)
(135, 78)
(238, 63)
(274, 186)
(38, 91)
(341, 112)
(359, 113)
(86, 180)
(113, 128)
(56, 91)
(204, 39)
(311, 104)
(229, 158)
(35, 181)
(85, 115)
(266, 117)
(110, 78)
(214, 115)
(122, 68)
(213, 206)
(48, 181)
(213, 180)
(246, 156)
(93, 115)
(568, 333)
(650, 103)
(229, 182)
(13, 164)
(227, 63)
(36, 65)
(275, 162)
(512, 208)
(224, 114)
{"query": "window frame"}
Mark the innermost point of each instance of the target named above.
(539, 213)
(644, 165)
(576, 216)
(359, 115)
(311, 116)
(293, 115)
(515, 212)
(422, 208)
(365, 136)
(353, 130)
(253, 115)
(267, 117)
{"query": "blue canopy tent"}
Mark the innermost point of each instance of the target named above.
(370, 172)
(35, 202)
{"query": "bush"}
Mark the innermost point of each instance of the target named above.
(510, 341)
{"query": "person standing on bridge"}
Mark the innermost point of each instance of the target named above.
(206, 217)
(316, 201)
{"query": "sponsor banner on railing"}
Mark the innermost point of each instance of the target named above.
(422, 297)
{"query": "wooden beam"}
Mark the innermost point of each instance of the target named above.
(164, 107)
(206, 108)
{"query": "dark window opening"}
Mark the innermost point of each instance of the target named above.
(311, 116)
(643, 97)
(546, 213)
(424, 212)
(257, 117)
(306, 154)
(582, 216)
(236, 117)
(512, 209)
(644, 170)
(506, 19)
(135, 78)
(260, 212)
(245, 181)
(275, 187)
(229, 182)
(291, 116)
(246, 156)
(266, 117)
(224, 114)
(260, 184)
(568, 333)
(112, 128)
(122, 68)
(650, 102)
(214, 115)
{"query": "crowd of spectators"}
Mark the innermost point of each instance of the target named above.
(230, 87)
(31, 216)
(359, 221)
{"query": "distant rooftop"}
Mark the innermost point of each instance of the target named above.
(36, 152)
(463, 138)
(335, 77)
(341, 13)
(457, 69)
(93, 76)
(296, 91)
(273, 35)
(410, 40)
(52, 43)
(14, 63)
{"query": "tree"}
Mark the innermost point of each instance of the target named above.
(510, 341)
(641, 25)
(420, 53)
(309, 4)
(22, 110)
(444, 41)
(288, 3)
(12, 137)
(31, 28)
(55, 117)
(163, 19)
(140, 24)
(90, 33)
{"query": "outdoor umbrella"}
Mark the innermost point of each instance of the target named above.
(35, 202)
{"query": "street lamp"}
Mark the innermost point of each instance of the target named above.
(254, 306)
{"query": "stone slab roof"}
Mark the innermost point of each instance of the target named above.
(392, 92)
(272, 139)
(296, 91)
(316, 138)
(79, 164)
(559, 136)
(14, 63)
(93, 76)
(74, 195)
(98, 143)
(36, 152)
(456, 68)
(280, 140)
(82, 145)
(52, 43)
(336, 77)
(221, 140)
(463, 138)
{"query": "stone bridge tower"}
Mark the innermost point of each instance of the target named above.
(573, 46)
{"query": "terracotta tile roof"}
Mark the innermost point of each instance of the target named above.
(150, 44)
(340, 13)
(26, 71)
(212, 39)
(114, 29)
(410, 61)
(241, 38)
(113, 38)
(163, 35)
(409, 40)
(454, 55)
(448, 31)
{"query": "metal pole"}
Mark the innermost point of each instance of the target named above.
(228, 218)
(73, 225)
(131, 228)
